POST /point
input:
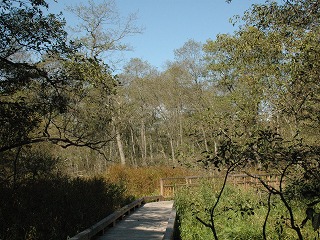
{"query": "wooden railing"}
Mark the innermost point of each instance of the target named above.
(246, 180)
(100, 227)
(171, 227)
(168, 186)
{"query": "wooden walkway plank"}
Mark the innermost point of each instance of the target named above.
(148, 222)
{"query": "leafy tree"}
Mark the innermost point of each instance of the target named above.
(297, 25)
(50, 94)
(287, 159)
(49, 91)
(27, 29)
(191, 58)
(231, 157)
(100, 32)
(268, 70)
(187, 95)
(268, 67)
(295, 162)
(140, 91)
(244, 65)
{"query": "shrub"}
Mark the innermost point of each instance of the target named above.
(143, 181)
(240, 214)
(56, 208)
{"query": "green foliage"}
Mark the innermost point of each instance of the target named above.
(48, 92)
(26, 33)
(17, 120)
(24, 26)
(27, 164)
(314, 217)
(91, 72)
(240, 214)
(295, 162)
(269, 67)
(256, 105)
(58, 207)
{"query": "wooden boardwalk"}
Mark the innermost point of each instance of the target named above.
(147, 222)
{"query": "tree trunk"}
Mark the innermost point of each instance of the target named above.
(120, 148)
(215, 148)
(134, 162)
(180, 128)
(151, 151)
(143, 144)
(205, 139)
(111, 149)
(172, 152)
(163, 152)
(15, 167)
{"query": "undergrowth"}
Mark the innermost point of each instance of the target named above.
(56, 208)
(240, 214)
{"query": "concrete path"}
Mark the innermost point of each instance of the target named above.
(148, 222)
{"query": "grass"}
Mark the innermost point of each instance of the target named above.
(240, 214)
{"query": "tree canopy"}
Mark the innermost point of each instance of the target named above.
(264, 75)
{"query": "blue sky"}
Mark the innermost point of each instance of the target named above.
(168, 24)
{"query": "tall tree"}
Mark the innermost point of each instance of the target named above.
(49, 92)
(191, 57)
(26, 30)
(296, 23)
(243, 65)
(101, 29)
(100, 32)
(138, 89)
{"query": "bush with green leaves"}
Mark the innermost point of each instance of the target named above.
(241, 214)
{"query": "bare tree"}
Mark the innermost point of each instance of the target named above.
(101, 29)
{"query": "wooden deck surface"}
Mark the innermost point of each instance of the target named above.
(148, 222)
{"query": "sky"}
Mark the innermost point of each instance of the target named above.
(168, 24)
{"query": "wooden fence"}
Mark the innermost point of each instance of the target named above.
(168, 186)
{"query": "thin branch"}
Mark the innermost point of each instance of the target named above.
(266, 219)
(279, 192)
(203, 222)
(62, 142)
(212, 210)
(284, 200)
(271, 189)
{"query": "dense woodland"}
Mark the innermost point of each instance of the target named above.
(65, 111)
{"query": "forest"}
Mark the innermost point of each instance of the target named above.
(241, 102)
